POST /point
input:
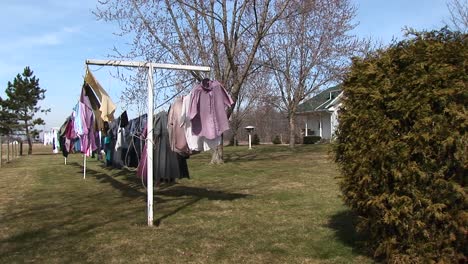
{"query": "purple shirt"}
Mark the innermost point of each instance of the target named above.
(88, 143)
(207, 110)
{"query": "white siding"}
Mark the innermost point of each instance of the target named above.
(334, 123)
(313, 123)
(326, 125)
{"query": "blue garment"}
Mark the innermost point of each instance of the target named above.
(77, 145)
(77, 123)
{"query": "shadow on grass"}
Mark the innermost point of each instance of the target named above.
(197, 194)
(26, 242)
(192, 194)
(344, 224)
(245, 157)
(128, 190)
(42, 154)
(59, 232)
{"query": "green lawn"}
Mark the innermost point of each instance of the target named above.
(267, 205)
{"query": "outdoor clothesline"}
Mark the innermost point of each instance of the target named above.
(149, 146)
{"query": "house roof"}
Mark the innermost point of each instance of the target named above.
(321, 101)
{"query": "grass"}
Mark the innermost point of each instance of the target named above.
(267, 205)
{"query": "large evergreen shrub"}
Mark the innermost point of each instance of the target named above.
(402, 148)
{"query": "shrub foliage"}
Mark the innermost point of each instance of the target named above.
(311, 139)
(276, 140)
(402, 148)
(255, 140)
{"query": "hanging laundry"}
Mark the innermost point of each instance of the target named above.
(107, 107)
(124, 119)
(207, 109)
(132, 151)
(55, 140)
(120, 148)
(77, 144)
(88, 144)
(142, 169)
(66, 135)
(195, 143)
(77, 124)
(177, 138)
(167, 165)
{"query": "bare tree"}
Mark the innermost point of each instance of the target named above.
(254, 91)
(309, 49)
(458, 14)
(223, 34)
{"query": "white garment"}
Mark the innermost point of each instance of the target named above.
(119, 144)
(55, 139)
(194, 142)
(48, 138)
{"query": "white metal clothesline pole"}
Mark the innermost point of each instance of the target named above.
(149, 146)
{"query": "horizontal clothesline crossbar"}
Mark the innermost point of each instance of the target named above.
(148, 64)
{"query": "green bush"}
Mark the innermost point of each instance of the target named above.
(255, 140)
(276, 140)
(311, 139)
(402, 148)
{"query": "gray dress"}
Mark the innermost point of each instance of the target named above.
(167, 165)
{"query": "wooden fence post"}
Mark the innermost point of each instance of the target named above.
(8, 149)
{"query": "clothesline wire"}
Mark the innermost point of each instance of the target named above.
(97, 68)
(172, 97)
(174, 84)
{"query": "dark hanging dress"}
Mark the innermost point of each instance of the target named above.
(167, 165)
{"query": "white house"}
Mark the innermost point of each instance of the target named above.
(320, 113)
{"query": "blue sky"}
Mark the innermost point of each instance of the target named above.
(55, 37)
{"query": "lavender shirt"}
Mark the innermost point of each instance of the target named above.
(88, 144)
(207, 110)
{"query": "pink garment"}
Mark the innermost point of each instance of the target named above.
(88, 144)
(70, 134)
(70, 130)
(194, 142)
(207, 110)
(177, 139)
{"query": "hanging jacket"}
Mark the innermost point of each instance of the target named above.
(207, 110)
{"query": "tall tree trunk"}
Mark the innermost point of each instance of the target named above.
(292, 130)
(217, 156)
(233, 139)
(28, 137)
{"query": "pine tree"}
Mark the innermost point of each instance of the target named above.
(8, 121)
(23, 96)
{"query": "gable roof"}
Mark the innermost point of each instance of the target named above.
(321, 101)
